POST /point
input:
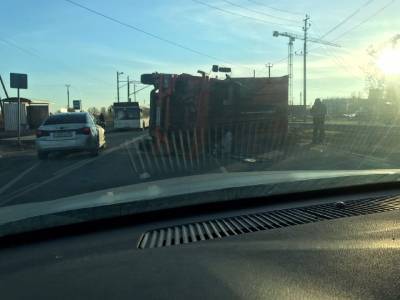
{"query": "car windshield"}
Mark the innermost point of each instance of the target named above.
(195, 96)
(65, 119)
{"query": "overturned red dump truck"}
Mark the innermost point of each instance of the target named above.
(199, 113)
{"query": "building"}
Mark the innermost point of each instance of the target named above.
(32, 113)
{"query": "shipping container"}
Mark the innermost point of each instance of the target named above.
(11, 116)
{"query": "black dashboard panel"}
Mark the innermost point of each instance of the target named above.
(355, 257)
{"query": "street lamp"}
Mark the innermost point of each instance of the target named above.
(118, 74)
(68, 86)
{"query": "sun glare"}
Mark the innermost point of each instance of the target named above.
(389, 61)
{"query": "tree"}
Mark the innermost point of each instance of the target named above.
(94, 111)
(110, 112)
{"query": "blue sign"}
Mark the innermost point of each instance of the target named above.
(18, 81)
(77, 104)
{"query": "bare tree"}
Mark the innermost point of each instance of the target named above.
(94, 111)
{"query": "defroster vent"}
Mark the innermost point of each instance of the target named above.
(229, 226)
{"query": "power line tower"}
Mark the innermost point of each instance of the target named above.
(292, 37)
(118, 82)
(135, 91)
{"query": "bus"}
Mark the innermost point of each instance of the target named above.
(127, 115)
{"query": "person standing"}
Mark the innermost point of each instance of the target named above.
(318, 112)
(102, 120)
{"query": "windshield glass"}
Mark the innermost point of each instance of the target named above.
(65, 119)
(195, 96)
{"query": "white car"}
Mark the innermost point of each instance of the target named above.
(69, 132)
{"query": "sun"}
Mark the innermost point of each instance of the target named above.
(389, 61)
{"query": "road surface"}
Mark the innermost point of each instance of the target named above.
(24, 178)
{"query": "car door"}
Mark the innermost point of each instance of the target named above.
(100, 131)
(92, 124)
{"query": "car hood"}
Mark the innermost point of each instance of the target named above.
(177, 192)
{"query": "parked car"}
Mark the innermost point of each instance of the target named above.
(69, 132)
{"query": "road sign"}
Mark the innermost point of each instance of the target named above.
(18, 81)
(224, 70)
(216, 69)
(77, 104)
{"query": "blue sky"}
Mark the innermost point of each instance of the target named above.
(56, 43)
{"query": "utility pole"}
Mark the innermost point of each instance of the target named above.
(305, 28)
(19, 119)
(67, 86)
(290, 68)
(128, 85)
(134, 91)
(269, 66)
(118, 73)
(292, 37)
(254, 73)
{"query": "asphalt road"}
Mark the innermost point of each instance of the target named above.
(23, 178)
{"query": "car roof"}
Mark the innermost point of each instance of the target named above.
(71, 113)
(64, 118)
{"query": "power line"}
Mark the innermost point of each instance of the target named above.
(338, 60)
(366, 20)
(144, 31)
(259, 12)
(153, 35)
(240, 15)
(276, 9)
(347, 18)
(361, 23)
(280, 60)
(26, 51)
(32, 53)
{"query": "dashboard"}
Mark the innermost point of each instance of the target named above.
(346, 257)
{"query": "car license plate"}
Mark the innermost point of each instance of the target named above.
(62, 134)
